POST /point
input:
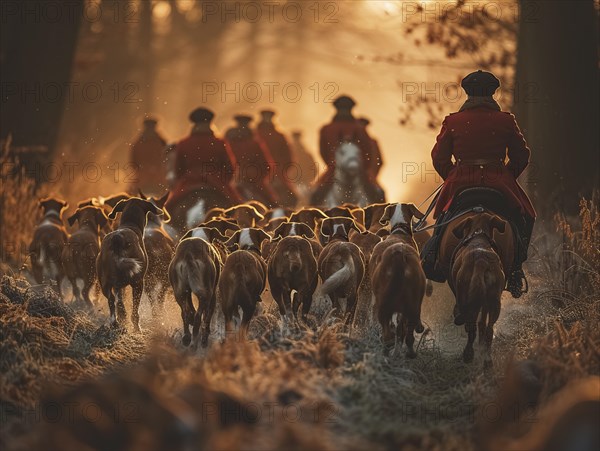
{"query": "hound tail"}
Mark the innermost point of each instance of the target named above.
(191, 270)
(126, 265)
(339, 278)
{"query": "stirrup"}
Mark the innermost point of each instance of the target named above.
(517, 284)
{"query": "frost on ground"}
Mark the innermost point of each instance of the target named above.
(69, 381)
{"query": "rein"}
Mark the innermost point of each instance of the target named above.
(476, 209)
(421, 221)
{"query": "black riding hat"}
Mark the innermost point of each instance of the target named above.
(242, 119)
(480, 83)
(344, 103)
(201, 115)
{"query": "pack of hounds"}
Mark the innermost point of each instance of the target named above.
(231, 256)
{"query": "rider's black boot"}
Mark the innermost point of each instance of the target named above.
(429, 255)
(516, 283)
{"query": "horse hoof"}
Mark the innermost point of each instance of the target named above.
(186, 340)
(420, 329)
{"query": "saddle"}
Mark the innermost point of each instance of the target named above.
(476, 200)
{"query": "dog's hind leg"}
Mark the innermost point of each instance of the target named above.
(137, 289)
(306, 299)
(88, 282)
(121, 314)
(58, 280)
(350, 310)
(207, 317)
(410, 338)
(76, 292)
(249, 310)
(110, 295)
(184, 299)
(197, 320)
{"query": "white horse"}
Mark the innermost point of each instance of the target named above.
(348, 180)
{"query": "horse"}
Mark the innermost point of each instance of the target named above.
(349, 180)
(189, 210)
(476, 253)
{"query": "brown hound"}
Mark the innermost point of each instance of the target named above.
(122, 260)
(49, 239)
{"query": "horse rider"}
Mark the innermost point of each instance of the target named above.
(344, 128)
(147, 155)
(203, 161)
(276, 143)
(306, 163)
(489, 150)
(376, 157)
(255, 163)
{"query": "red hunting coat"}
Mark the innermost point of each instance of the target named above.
(481, 139)
(279, 149)
(341, 129)
(203, 160)
(254, 161)
(149, 156)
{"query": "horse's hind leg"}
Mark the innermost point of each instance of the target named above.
(481, 326)
(471, 329)
(494, 313)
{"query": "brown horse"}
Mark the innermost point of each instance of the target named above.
(476, 252)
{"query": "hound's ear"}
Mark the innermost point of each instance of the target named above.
(161, 201)
(359, 215)
(74, 217)
(280, 230)
(256, 214)
(118, 208)
(216, 235)
(382, 233)
(368, 215)
(232, 242)
(353, 232)
(101, 218)
(354, 225)
(188, 234)
(318, 215)
(462, 228)
(306, 231)
(498, 224)
(415, 211)
(262, 236)
(166, 215)
(149, 207)
(326, 227)
(387, 214)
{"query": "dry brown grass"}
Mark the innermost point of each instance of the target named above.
(19, 214)
(248, 395)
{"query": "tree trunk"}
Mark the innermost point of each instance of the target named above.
(556, 100)
(36, 59)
